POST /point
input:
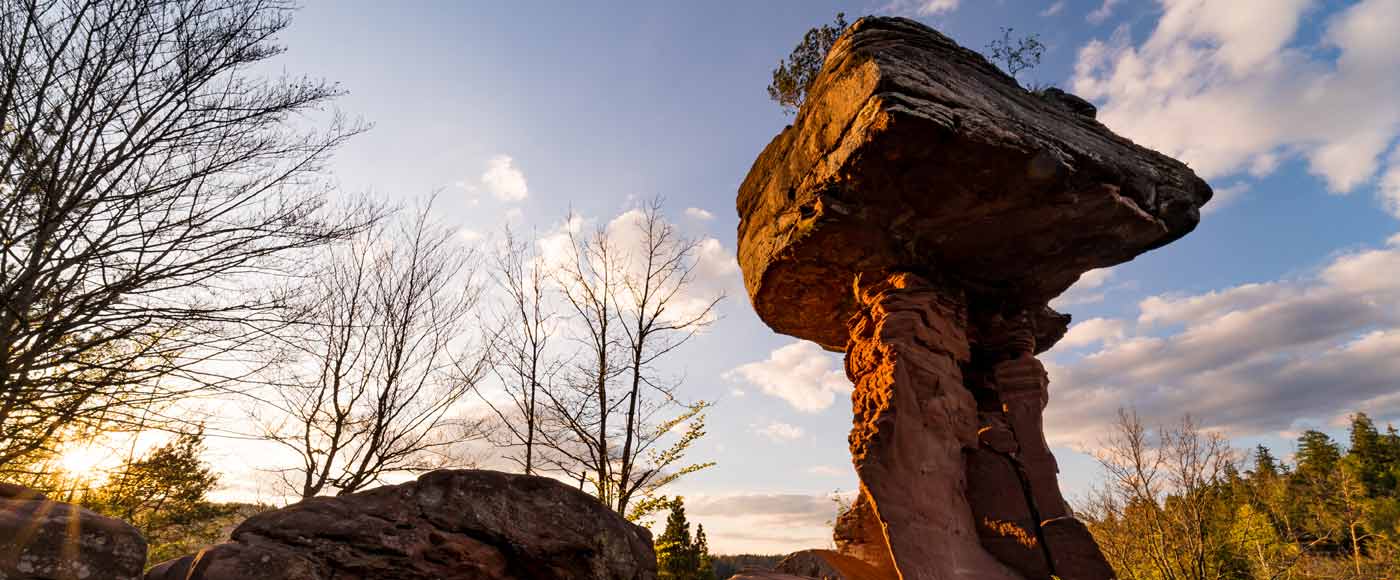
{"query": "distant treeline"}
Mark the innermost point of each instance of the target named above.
(727, 566)
(1180, 503)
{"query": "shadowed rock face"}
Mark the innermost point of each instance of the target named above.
(919, 214)
(50, 540)
(447, 525)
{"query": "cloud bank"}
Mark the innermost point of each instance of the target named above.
(1252, 359)
(1231, 88)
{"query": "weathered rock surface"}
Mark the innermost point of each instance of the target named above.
(761, 575)
(919, 214)
(858, 533)
(912, 153)
(449, 525)
(829, 565)
(50, 540)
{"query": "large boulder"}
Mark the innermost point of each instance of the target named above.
(919, 214)
(446, 525)
(49, 540)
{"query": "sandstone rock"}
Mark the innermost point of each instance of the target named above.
(43, 540)
(859, 534)
(468, 525)
(913, 153)
(761, 575)
(913, 421)
(919, 214)
(829, 565)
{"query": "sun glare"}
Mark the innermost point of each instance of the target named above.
(85, 462)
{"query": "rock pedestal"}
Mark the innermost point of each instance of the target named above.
(919, 215)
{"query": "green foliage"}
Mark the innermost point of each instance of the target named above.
(1334, 513)
(795, 75)
(1317, 455)
(678, 556)
(663, 462)
(165, 495)
(1016, 54)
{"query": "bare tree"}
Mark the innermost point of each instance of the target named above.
(658, 315)
(145, 172)
(631, 288)
(371, 384)
(523, 360)
(1159, 509)
(581, 407)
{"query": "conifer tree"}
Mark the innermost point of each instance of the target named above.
(1370, 454)
(1265, 464)
(678, 555)
(706, 570)
(1317, 455)
(675, 552)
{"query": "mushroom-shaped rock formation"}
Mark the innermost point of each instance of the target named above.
(919, 214)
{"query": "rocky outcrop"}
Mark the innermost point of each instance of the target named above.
(859, 534)
(829, 565)
(763, 575)
(50, 540)
(462, 525)
(919, 214)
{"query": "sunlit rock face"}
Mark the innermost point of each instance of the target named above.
(919, 214)
(447, 525)
(50, 540)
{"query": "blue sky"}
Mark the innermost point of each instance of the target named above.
(1279, 313)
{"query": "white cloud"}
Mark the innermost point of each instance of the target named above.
(1087, 290)
(1255, 358)
(921, 7)
(1093, 331)
(1390, 184)
(504, 180)
(1102, 13)
(715, 272)
(1169, 309)
(1230, 87)
(470, 235)
(1053, 9)
(699, 214)
(801, 373)
(1225, 196)
(829, 471)
(768, 523)
(779, 431)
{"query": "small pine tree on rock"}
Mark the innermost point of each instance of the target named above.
(796, 74)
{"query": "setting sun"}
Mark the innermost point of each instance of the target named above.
(87, 463)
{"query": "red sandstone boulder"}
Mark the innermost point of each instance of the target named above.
(50, 540)
(447, 525)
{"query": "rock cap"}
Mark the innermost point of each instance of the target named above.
(914, 154)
